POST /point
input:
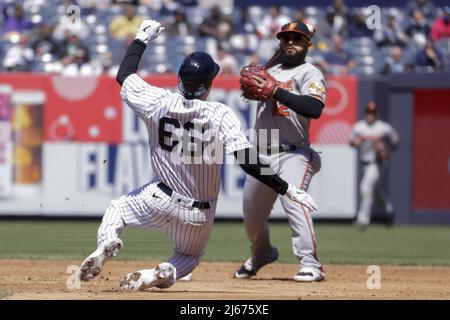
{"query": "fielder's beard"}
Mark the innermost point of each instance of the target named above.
(292, 61)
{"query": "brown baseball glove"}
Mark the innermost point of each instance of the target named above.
(256, 83)
(382, 150)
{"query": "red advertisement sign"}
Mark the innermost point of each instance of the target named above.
(75, 108)
(431, 150)
(339, 115)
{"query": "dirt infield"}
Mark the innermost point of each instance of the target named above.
(40, 279)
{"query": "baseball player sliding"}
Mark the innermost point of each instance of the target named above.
(291, 92)
(181, 199)
(374, 139)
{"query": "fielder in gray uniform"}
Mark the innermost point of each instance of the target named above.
(298, 97)
(375, 140)
(181, 199)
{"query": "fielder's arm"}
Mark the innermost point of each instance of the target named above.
(308, 105)
(356, 142)
(356, 139)
(394, 137)
(303, 105)
(310, 100)
(254, 169)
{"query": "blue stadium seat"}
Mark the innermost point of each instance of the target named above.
(256, 14)
(159, 68)
(368, 56)
(361, 50)
(156, 58)
(362, 41)
(201, 44)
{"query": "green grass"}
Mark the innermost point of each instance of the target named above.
(337, 244)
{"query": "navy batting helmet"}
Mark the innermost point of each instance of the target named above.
(196, 74)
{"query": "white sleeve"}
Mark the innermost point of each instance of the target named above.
(142, 97)
(393, 135)
(230, 133)
(312, 84)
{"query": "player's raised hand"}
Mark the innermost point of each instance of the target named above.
(301, 197)
(148, 31)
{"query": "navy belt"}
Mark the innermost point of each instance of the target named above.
(196, 204)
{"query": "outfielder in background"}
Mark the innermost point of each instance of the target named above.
(181, 199)
(375, 141)
(291, 91)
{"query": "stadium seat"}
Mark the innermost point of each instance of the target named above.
(362, 41)
(364, 50)
(255, 14)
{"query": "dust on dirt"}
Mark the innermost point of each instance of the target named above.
(45, 279)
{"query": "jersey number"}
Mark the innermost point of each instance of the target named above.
(190, 136)
(280, 111)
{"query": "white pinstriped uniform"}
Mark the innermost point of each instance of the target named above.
(165, 113)
(295, 167)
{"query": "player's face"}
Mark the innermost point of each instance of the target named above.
(371, 117)
(293, 43)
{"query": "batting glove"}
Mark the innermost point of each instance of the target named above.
(301, 197)
(149, 31)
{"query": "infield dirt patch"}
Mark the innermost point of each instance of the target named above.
(44, 279)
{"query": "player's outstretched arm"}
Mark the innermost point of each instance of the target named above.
(272, 180)
(147, 32)
(303, 105)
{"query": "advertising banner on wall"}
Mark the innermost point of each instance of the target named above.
(431, 150)
(87, 149)
(5, 142)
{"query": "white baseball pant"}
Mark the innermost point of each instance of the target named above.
(369, 188)
(297, 168)
(149, 207)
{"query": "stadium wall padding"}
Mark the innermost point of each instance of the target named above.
(94, 149)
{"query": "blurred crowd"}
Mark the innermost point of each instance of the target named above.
(87, 37)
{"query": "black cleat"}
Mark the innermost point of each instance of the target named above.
(390, 219)
(244, 273)
(247, 270)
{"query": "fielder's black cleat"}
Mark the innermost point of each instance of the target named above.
(244, 273)
(390, 219)
(248, 270)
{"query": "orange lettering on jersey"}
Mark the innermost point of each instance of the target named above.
(288, 85)
(280, 111)
(283, 111)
